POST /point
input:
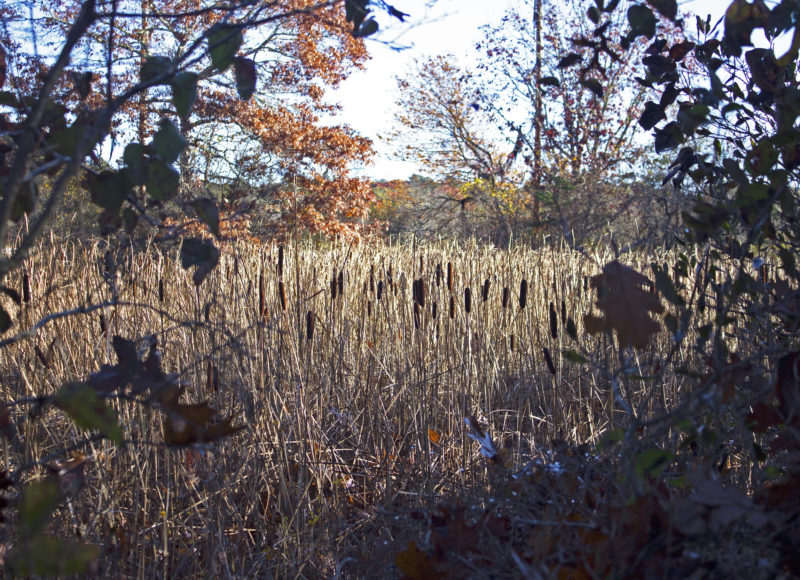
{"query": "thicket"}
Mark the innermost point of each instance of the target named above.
(225, 410)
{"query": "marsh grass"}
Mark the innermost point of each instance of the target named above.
(352, 393)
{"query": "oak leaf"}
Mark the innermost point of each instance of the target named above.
(626, 306)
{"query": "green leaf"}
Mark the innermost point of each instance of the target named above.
(651, 116)
(224, 41)
(642, 21)
(88, 410)
(200, 253)
(594, 86)
(651, 462)
(573, 356)
(668, 8)
(668, 137)
(109, 189)
(51, 557)
(610, 437)
(184, 93)
(208, 212)
(665, 286)
(39, 501)
(134, 156)
(367, 28)
(162, 180)
(245, 72)
(5, 320)
(168, 141)
(154, 67)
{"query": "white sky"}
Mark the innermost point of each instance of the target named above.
(440, 27)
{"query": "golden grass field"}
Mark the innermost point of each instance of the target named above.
(346, 432)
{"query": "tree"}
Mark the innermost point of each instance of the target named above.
(56, 120)
(444, 128)
(235, 132)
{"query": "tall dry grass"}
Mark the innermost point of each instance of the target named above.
(352, 369)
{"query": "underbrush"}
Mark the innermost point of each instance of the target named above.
(351, 370)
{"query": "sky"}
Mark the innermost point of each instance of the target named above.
(433, 28)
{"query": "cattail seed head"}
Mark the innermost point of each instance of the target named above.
(523, 293)
(450, 276)
(372, 279)
(563, 311)
(26, 288)
(506, 294)
(433, 309)
(282, 294)
(549, 360)
(416, 315)
(262, 299)
(310, 318)
(333, 288)
(572, 331)
(511, 343)
(553, 321)
(485, 292)
(340, 282)
(467, 299)
(161, 290)
(452, 306)
(418, 291)
(439, 274)
(380, 289)
(280, 261)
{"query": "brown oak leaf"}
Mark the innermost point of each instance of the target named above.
(625, 304)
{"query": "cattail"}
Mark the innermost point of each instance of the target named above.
(416, 315)
(549, 360)
(485, 292)
(236, 266)
(523, 293)
(506, 294)
(511, 343)
(572, 331)
(452, 306)
(333, 287)
(26, 288)
(467, 299)
(439, 274)
(212, 377)
(280, 261)
(450, 276)
(380, 289)
(418, 291)
(389, 279)
(369, 308)
(310, 326)
(282, 294)
(161, 290)
(586, 283)
(563, 311)
(433, 310)
(372, 279)
(340, 282)
(553, 321)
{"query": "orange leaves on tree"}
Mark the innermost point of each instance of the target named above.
(625, 304)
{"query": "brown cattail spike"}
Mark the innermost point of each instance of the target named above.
(433, 310)
(418, 291)
(310, 326)
(549, 360)
(160, 290)
(452, 306)
(450, 276)
(439, 274)
(506, 294)
(340, 282)
(485, 292)
(572, 331)
(262, 299)
(467, 299)
(26, 288)
(563, 311)
(523, 293)
(416, 315)
(372, 279)
(380, 289)
(280, 261)
(333, 288)
(282, 294)
(553, 321)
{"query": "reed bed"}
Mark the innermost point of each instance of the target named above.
(352, 368)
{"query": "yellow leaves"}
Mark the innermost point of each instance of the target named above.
(626, 306)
